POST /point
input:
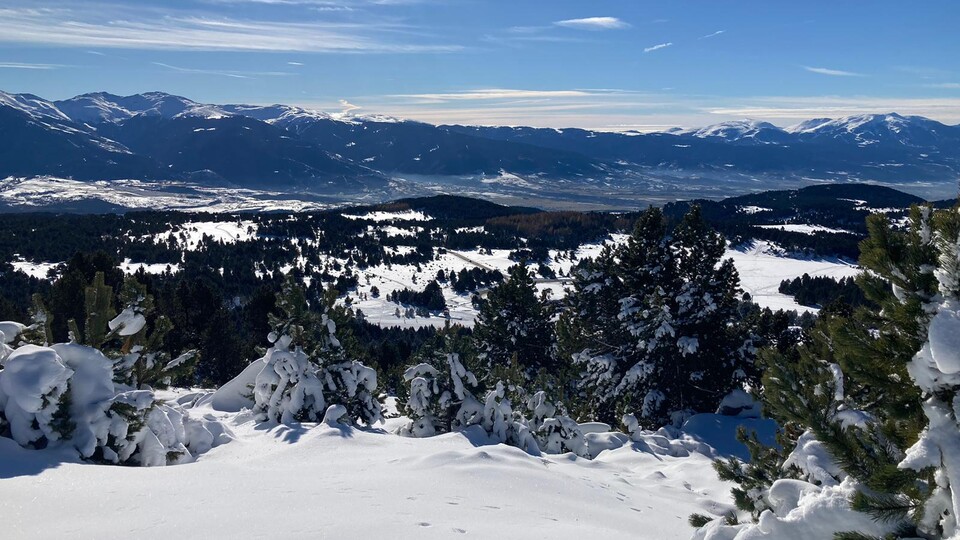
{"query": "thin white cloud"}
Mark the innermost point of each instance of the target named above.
(803, 108)
(594, 23)
(527, 29)
(944, 86)
(114, 26)
(294, 63)
(619, 110)
(21, 65)
(496, 94)
(657, 47)
(201, 71)
(221, 73)
(347, 107)
(715, 34)
(832, 72)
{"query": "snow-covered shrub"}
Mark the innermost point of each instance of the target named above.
(498, 421)
(287, 388)
(424, 390)
(555, 433)
(9, 332)
(347, 382)
(308, 367)
(65, 395)
(441, 396)
(34, 395)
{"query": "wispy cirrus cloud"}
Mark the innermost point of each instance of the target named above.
(120, 26)
(620, 109)
(24, 65)
(657, 47)
(594, 23)
(223, 73)
(714, 34)
(778, 109)
(833, 72)
(495, 94)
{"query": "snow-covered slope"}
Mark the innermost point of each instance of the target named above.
(762, 266)
(745, 131)
(869, 129)
(104, 107)
(316, 481)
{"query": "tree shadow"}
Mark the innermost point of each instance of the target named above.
(17, 461)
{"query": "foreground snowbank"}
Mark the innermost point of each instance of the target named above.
(315, 480)
(65, 396)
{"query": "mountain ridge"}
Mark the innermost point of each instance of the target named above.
(103, 136)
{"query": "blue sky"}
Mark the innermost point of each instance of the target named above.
(604, 64)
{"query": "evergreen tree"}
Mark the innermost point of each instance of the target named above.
(656, 324)
(442, 390)
(309, 367)
(142, 361)
(514, 328)
(846, 387)
(590, 334)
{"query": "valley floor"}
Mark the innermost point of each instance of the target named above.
(317, 481)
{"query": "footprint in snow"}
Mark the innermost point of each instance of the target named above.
(459, 530)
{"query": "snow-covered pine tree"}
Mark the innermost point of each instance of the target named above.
(347, 381)
(515, 327)
(497, 419)
(442, 390)
(590, 334)
(288, 389)
(700, 348)
(308, 367)
(98, 307)
(555, 433)
(142, 361)
(936, 371)
(846, 389)
(39, 331)
(658, 324)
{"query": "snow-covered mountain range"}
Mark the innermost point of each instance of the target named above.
(159, 136)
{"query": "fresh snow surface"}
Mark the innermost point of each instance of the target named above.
(130, 267)
(762, 266)
(227, 232)
(391, 278)
(321, 481)
(754, 209)
(804, 228)
(406, 215)
(38, 270)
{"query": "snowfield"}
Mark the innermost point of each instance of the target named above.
(406, 215)
(763, 265)
(317, 481)
(804, 228)
(32, 269)
(189, 234)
